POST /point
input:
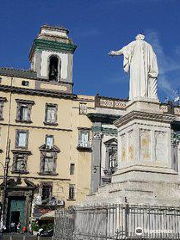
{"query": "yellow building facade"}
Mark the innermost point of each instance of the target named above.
(44, 131)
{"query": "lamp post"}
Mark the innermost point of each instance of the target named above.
(5, 177)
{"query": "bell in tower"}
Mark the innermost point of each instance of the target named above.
(54, 68)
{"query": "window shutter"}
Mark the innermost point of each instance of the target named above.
(25, 113)
(18, 112)
(48, 164)
(52, 115)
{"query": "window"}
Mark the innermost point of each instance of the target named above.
(71, 191)
(53, 68)
(83, 141)
(2, 100)
(82, 108)
(20, 158)
(21, 139)
(72, 167)
(24, 110)
(25, 83)
(51, 114)
(49, 141)
(48, 165)
(46, 192)
(20, 163)
(48, 160)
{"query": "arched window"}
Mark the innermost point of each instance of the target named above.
(54, 68)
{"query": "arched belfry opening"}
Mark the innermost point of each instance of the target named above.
(54, 67)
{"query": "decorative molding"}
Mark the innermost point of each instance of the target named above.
(166, 118)
(3, 99)
(43, 44)
(103, 118)
(30, 126)
(44, 148)
(105, 131)
(163, 108)
(177, 111)
(84, 149)
(97, 136)
(48, 174)
(24, 101)
(113, 103)
(110, 131)
(19, 151)
(37, 92)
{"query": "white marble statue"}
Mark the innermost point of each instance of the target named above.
(140, 60)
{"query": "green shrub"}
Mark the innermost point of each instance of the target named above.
(35, 226)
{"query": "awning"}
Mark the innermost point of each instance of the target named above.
(48, 216)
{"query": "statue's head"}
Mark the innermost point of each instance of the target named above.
(140, 37)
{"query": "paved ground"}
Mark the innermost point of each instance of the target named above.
(16, 236)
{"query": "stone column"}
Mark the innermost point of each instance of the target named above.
(96, 157)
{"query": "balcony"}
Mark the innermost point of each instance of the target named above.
(84, 146)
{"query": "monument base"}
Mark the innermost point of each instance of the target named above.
(145, 172)
(140, 187)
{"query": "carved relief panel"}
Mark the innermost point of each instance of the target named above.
(123, 147)
(130, 146)
(160, 146)
(145, 145)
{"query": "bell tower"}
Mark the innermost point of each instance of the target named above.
(51, 56)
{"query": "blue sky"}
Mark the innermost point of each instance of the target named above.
(96, 26)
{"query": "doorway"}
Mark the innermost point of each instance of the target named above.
(16, 211)
(15, 217)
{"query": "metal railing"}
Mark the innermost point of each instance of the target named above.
(118, 221)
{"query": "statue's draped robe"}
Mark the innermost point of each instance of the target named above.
(140, 60)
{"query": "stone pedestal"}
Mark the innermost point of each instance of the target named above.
(145, 174)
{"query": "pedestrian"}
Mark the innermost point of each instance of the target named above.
(12, 226)
(24, 229)
(30, 228)
(19, 227)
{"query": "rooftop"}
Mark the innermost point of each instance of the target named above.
(22, 73)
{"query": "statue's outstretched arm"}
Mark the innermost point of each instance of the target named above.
(116, 53)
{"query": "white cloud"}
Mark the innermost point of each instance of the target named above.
(167, 65)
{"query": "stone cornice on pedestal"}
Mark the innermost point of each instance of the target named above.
(165, 118)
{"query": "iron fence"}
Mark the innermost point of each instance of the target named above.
(118, 221)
